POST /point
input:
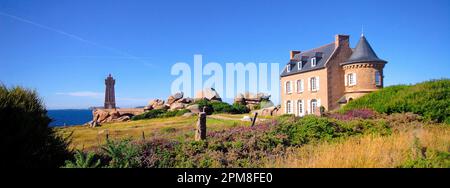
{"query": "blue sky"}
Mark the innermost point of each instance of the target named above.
(64, 48)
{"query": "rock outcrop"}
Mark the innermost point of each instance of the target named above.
(104, 116)
(252, 101)
(174, 98)
(270, 111)
(209, 94)
(155, 104)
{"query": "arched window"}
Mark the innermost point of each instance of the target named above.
(377, 78)
(300, 107)
(288, 87)
(313, 106)
(288, 107)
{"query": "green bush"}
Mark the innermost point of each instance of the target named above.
(240, 109)
(25, 137)
(160, 113)
(222, 107)
(149, 115)
(429, 99)
(173, 113)
(82, 160)
(307, 129)
(121, 154)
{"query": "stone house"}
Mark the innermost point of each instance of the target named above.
(329, 76)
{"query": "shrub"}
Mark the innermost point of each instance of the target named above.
(83, 160)
(429, 99)
(158, 153)
(222, 107)
(354, 114)
(240, 109)
(160, 113)
(307, 129)
(25, 137)
(150, 114)
(205, 103)
(173, 113)
(121, 154)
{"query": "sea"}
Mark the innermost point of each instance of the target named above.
(69, 117)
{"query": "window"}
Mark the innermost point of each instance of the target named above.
(300, 107)
(313, 84)
(288, 107)
(288, 68)
(313, 62)
(377, 78)
(299, 65)
(351, 79)
(288, 87)
(313, 106)
(299, 86)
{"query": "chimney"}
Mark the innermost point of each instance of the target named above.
(341, 40)
(293, 53)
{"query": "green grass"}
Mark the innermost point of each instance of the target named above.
(429, 99)
(179, 128)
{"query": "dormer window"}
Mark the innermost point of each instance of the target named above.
(299, 65)
(288, 68)
(313, 62)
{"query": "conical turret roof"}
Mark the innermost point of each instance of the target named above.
(363, 53)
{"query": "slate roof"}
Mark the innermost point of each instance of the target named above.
(363, 53)
(322, 54)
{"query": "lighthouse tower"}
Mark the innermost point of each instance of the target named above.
(110, 97)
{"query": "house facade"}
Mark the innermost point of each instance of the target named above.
(329, 76)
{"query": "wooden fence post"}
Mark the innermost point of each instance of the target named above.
(254, 119)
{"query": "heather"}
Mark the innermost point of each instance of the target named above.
(240, 146)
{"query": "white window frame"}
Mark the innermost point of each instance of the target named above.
(300, 87)
(314, 86)
(351, 79)
(313, 62)
(300, 108)
(377, 78)
(288, 107)
(299, 65)
(312, 106)
(288, 87)
(288, 68)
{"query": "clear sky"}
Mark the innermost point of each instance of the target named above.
(64, 48)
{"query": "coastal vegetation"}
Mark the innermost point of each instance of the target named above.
(429, 99)
(368, 132)
(25, 137)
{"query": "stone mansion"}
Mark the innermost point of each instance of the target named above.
(329, 76)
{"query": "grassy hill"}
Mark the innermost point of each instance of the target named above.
(430, 99)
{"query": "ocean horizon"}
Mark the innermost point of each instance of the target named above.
(69, 117)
